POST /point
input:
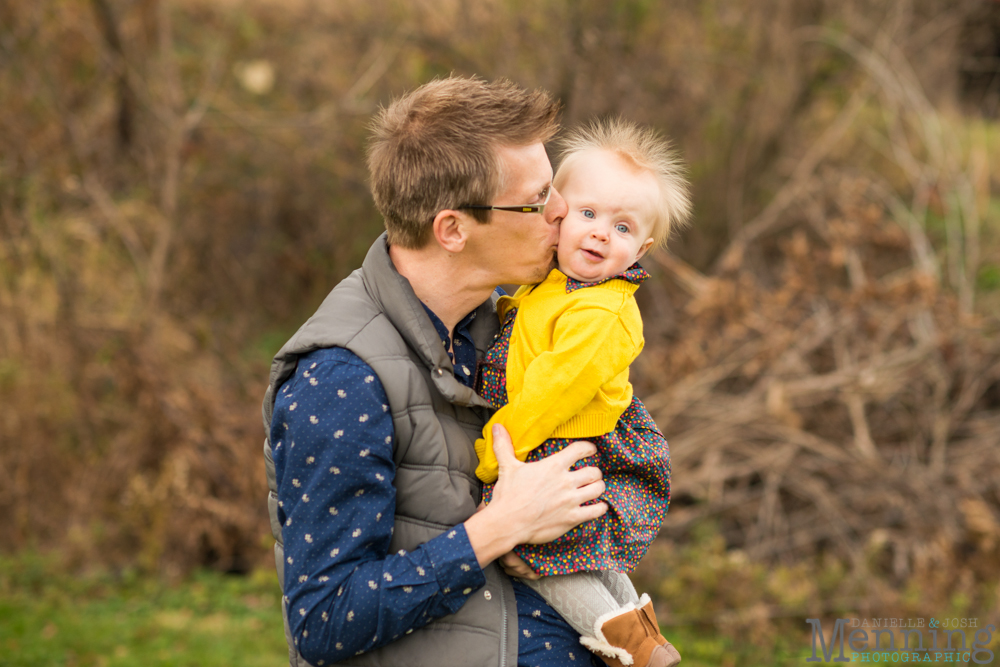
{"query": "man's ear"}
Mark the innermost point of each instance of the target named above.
(647, 244)
(449, 228)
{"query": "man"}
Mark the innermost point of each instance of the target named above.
(371, 412)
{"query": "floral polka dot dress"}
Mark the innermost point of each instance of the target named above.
(634, 459)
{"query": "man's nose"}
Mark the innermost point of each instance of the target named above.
(556, 209)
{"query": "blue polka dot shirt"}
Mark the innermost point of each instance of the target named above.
(332, 439)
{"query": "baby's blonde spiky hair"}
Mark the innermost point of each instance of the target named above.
(647, 149)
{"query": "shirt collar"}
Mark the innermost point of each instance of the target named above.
(463, 349)
(634, 274)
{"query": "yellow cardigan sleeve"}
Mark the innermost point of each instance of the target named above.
(591, 345)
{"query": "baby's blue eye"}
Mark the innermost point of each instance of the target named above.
(589, 214)
(622, 228)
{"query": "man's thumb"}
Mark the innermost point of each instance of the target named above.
(503, 448)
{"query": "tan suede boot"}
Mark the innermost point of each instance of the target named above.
(628, 638)
(653, 627)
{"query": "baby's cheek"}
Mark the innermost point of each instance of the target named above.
(564, 235)
(562, 252)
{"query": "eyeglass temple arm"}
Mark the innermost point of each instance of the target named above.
(522, 209)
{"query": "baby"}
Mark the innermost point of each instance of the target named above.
(558, 372)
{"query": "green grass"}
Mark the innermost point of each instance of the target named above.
(700, 648)
(52, 618)
(49, 617)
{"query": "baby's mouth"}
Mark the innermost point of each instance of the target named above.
(592, 255)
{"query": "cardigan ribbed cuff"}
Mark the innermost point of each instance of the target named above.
(583, 425)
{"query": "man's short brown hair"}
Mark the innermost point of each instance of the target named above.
(435, 148)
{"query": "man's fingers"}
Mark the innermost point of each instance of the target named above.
(515, 566)
(580, 449)
(588, 475)
(592, 491)
(588, 512)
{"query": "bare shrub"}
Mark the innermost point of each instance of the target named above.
(830, 387)
(181, 182)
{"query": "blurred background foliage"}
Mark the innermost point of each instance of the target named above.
(182, 181)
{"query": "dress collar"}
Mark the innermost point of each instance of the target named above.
(634, 274)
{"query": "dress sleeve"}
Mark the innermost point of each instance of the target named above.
(333, 449)
(591, 345)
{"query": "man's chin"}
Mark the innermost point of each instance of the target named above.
(540, 273)
(544, 271)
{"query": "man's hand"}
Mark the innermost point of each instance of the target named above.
(543, 498)
(536, 502)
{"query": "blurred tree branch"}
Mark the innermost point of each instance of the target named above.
(126, 100)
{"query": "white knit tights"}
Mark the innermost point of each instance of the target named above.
(583, 597)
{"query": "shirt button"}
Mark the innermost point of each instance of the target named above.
(439, 371)
(487, 595)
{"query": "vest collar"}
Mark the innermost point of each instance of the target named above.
(395, 297)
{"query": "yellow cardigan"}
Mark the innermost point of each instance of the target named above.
(567, 364)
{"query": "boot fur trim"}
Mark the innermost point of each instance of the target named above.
(599, 643)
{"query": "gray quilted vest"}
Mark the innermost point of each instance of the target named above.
(375, 314)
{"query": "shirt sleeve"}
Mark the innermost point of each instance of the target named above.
(591, 345)
(332, 433)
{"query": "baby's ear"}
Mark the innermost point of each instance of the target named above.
(647, 244)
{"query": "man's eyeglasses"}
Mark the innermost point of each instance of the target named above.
(524, 208)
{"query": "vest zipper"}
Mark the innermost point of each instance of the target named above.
(503, 627)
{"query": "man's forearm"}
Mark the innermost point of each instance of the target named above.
(489, 535)
(379, 600)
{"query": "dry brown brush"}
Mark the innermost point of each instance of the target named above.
(830, 385)
(851, 404)
(181, 181)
